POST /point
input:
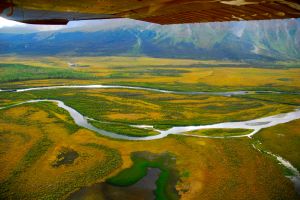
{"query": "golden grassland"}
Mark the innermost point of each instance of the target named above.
(28, 169)
(223, 77)
(288, 99)
(105, 61)
(283, 140)
(220, 132)
(227, 169)
(33, 136)
(153, 108)
(177, 74)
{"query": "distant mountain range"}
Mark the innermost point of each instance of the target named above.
(267, 40)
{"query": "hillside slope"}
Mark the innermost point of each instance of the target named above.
(276, 39)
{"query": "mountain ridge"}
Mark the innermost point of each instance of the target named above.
(267, 40)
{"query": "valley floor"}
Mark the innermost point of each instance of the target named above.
(44, 154)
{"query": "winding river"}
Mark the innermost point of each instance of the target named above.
(256, 125)
(143, 88)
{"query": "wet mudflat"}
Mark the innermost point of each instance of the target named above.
(152, 176)
(143, 189)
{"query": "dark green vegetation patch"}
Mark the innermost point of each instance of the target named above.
(141, 162)
(19, 72)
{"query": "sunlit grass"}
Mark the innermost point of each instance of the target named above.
(220, 132)
(283, 140)
(20, 72)
(172, 74)
(32, 136)
(203, 159)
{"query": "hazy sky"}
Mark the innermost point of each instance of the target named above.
(4, 23)
(104, 22)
